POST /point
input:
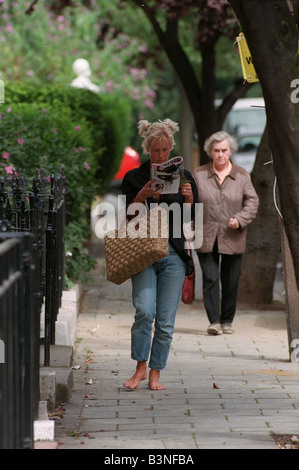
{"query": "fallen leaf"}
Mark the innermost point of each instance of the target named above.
(88, 435)
(76, 367)
(89, 396)
(89, 382)
(214, 385)
(56, 415)
(88, 361)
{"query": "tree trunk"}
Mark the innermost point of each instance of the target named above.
(272, 38)
(186, 127)
(208, 86)
(263, 242)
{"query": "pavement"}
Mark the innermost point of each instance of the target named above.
(234, 391)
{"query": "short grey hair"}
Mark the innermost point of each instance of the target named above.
(219, 137)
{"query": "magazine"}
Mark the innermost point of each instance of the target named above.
(167, 175)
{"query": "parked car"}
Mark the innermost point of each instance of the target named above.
(248, 143)
(246, 122)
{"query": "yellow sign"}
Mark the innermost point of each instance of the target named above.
(248, 69)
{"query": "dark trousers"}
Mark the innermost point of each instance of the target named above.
(225, 270)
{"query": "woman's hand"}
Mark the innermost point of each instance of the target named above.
(146, 192)
(186, 190)
(233, 223)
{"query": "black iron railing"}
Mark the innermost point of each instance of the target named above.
(32, 272)
(19, 360)
(41, 211)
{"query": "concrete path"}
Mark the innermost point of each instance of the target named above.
(225, 392)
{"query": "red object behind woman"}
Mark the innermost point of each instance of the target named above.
(130, 160)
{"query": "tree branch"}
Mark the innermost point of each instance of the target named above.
(150, 13)
(238, 92)
(178, 58)
(31, 8)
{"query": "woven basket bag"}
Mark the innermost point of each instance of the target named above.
(135, 247)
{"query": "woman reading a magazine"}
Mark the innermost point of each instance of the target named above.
(156, 291)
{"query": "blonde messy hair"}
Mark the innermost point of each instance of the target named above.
(157, 131)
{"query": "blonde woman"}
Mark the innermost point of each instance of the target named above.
(156, 291)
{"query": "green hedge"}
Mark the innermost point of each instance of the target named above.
(34, 138)
(44, 128)
(108, 117)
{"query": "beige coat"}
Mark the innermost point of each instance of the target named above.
(235, 197)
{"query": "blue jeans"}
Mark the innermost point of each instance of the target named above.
(156, 295)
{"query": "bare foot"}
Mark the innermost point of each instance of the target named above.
(153, 381)
(139, 375)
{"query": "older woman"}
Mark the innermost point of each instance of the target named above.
(230, 203)
(156, 291)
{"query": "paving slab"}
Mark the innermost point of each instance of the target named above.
(223, 392)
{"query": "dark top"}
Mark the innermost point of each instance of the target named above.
(135, 180)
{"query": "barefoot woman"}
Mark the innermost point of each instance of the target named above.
(156, 291)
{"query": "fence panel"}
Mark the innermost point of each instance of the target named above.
(19, 367)
(32, 272)
(40, 209)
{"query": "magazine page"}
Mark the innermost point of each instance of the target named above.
(167, 175)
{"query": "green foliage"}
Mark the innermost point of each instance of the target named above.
(113, 133)
(107, 117)
(43, 138)
(78, 261)
(40, 48)
(46, 127)
(31, 138)
(126, 60)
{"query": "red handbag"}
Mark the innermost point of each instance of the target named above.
(188, 292)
